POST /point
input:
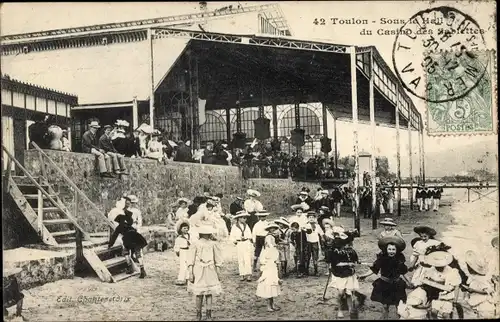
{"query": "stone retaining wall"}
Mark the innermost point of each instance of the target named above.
(156, 185)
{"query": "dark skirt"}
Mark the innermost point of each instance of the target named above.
(389, 293)
(132, 240)
(11, 292)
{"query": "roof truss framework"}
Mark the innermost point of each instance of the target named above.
(384, 74)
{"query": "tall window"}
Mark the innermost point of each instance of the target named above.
(214, 129)
(309, 122)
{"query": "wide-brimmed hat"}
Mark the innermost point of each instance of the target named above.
(417, 296)
(215, 199)
(325, 192)
(494, 242)
(271, 226)
(240, 198)
(262, 213)
(296, 207)
(425, 230)
(211, 202)
(475, 262)
(439, 259)
(253, 193)
(340, 231)
(94, 124)
(282, 221)
(179, 224)
(241, 214)
(327, 221)
(303, 193)
(388, 222)
(133, 198)
(383, 242)
(186, 200)
(205, 230)
(108, 127)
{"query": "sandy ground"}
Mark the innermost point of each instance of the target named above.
(157, 298)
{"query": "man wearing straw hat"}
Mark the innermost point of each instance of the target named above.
(259, 234)
(241, 236)
(252, 206)
(90, 145)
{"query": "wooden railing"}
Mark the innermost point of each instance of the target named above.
(41, 191)
(78, 194)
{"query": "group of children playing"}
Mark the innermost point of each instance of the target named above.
(436, 282)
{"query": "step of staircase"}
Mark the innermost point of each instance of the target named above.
(51, 209)
(63, 233)
(122, 276)
(100, 250)
(57, 221)
(35, 196)
(115, 261)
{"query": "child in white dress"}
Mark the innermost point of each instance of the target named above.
(416, 306)
(241, 236)
(417, 258)
(480, 287)
(268, 286)
(181, 249)
(204, 263)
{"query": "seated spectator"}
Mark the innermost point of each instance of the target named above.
(38, 132)
(117, 158)
(90, 145)
(155, 148)
(65, 141)
(183, 153)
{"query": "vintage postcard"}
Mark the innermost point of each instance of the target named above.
(291, 160)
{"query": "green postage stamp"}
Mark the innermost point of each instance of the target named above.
(460, 94)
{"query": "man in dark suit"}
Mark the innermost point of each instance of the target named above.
(183, 153)
(90, 145)
(38, 132)
(106, 145)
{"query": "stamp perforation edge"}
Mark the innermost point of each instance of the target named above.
(494, 86)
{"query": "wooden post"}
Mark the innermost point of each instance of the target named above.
(468, 194)
(354, 101)
(420, 156)
(40, 214)
(373, 161)
(8, 173)
(410, 153)
(398, 151)
(135, 113)
(42, 167)
(335, 142)
(151, 74)
(423, 155)
(228, 125)
(324, 113)
(275, 120)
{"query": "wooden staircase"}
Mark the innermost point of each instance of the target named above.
(58, 228)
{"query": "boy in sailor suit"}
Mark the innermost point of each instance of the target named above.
(181, 249)
(241, 236)
(283, 244)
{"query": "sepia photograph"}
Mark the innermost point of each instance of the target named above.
(236, 161)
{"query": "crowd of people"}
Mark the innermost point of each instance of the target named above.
(441, 283)
(294, 245)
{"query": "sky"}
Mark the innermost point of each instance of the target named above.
(28, 17)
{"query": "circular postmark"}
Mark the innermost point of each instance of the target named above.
(438, 55)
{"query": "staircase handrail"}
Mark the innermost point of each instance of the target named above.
(73, 185)
(45, 193)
